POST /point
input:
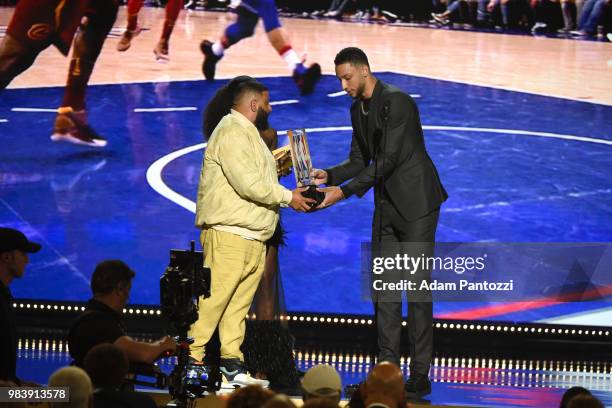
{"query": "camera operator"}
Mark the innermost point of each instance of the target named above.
(101, 322)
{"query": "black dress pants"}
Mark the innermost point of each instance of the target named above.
(392, 227)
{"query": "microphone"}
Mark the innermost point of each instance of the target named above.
(386, 110)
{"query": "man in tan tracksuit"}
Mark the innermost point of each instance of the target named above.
(237, 209)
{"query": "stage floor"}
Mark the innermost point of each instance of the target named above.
(474, 382)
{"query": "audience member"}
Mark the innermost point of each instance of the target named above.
(322, 381)
(384, 387)
(78, 383)
(336, 8)
(584, 401)
(590, 16)
(320, 403)
(356, 399)
(107, 366)
(251, 396)
(570, 9)
(571, 393)
(279, 401)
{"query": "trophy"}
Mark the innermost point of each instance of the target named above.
(302, 164)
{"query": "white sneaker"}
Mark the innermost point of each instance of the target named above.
(242, 380)
(537, 27)
(439, 19)
(235, 375)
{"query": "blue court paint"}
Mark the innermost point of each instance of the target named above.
(85, 206)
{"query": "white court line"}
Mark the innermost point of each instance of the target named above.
(34, 110)
(337, 94)
(529, 200)
(178, 109)
(523, 133)
(154, 172)
(479, 130)
(503, 87)
(287, 102)
(154, 177)
(118, 31)
(63, 259)
(3, 120)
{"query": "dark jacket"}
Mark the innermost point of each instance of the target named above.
(97, 324)
(8, 336)
(109, 398)
(411, 179)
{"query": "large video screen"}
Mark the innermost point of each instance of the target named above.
(518, 168)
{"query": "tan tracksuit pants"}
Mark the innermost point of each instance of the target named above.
(236, 266)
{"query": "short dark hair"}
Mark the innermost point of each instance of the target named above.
(107, 365)
(320, 403)
(585, 401)
(571, 393)
(242, 84)
(352, 55)
(223, 100)
(108, 275)
(251, 396)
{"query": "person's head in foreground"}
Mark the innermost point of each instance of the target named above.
(385, 385)
(279, 401)
(571, 393)
(79, 384)
(107, 365)
(322, 381)
(584, 401)
(251, 396)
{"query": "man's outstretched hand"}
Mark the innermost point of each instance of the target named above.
(319, 176)
(299, 202)
(332, 196)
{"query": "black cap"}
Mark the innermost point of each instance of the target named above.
(11, 239)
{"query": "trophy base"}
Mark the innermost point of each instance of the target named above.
(314, 194)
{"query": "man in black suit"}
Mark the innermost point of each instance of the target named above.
(388, 153)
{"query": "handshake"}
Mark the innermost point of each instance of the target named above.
(301, 200)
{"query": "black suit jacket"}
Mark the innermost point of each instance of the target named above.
(411, 179)
(8, 336)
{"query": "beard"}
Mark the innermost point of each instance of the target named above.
(360, 91)
(261, 120)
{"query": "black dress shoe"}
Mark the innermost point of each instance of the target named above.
(417, 386)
